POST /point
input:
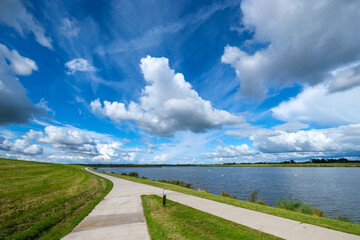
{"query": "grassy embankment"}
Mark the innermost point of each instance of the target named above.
(45, 201)
(315, 220)
(176, 221)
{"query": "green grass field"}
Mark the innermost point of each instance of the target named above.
(315, 220)
(176, 221)
(45, 201)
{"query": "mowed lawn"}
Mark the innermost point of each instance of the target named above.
(45, 201)
(177, 221)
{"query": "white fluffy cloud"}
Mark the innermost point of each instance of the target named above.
(69, 140)
(13, 13)
(15, 106)
(168, 104)
(343, 139)
(20, 146)
(301, 141)
(79, 65)
(318, 105)
(304, 42)
(230, 152)
(78, 144)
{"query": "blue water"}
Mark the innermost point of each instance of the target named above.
(334, 190)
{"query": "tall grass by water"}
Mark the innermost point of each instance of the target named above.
(299, 206)
(45, 201)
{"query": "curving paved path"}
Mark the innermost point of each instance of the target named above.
(120, 216)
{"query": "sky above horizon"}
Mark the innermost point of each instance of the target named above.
(179, 81)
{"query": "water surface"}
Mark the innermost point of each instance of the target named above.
(334, 190)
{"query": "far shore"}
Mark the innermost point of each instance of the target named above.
(260, 164)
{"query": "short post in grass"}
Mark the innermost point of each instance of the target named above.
(164, 197)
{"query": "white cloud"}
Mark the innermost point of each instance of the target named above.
(70, 27)
(160, 158)
(291, 127)
(79, 144)
(70, 140)
(318, 105)
(14, 14)
(230, 152)
(19, 65)
(301, 141)
(345, 78)
(20, 146)
(344, 139)
(15, 106)
(304, 41)
(168, 104)
(24, 147)
(79, 65)
(108, 151)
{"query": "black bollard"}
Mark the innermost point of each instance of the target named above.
(164, 197)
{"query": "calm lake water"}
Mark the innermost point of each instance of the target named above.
(334, 190)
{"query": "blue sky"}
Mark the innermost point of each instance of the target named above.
(179, 81)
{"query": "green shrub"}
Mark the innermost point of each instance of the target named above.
(299, 206)
(344, 219)
(133, 174)
(176, 182)
(225, 194)
(143, 177)
(124, 174)
(253, 195)
(261, 202)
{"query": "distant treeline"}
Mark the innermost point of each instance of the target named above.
(330, 160)
(139, 165)
(313, 160)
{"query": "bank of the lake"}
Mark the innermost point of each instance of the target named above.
(304, 218)
(334, 190)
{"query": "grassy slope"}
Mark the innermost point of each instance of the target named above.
(176, 221)
(320, 221)
(45, 201)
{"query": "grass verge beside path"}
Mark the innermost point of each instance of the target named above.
(44, 200)
(319, 221)
(177, 221)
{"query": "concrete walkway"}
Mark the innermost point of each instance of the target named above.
(120, 216)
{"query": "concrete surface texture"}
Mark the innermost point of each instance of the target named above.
(120, 216)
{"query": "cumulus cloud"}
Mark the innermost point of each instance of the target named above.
(318, 105)
(230, 152)
(301, 141)
(78, 144)
(168, 104)
(15, 106)
(69, 140)
(79, 65)
(20, 146)
(343, 139)
(304, 42)
(14, 14)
